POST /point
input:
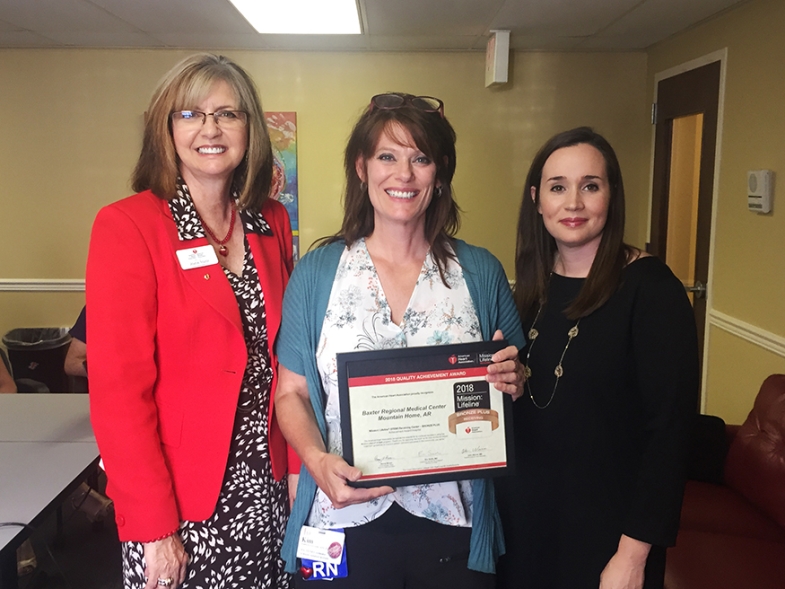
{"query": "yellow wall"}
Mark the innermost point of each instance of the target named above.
(733, 391)
(749, 263)
(71, 127)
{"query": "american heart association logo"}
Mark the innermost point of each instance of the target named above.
(452, 359)
(334, 550)
(468, 430)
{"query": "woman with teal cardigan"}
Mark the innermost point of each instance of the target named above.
(393, 277)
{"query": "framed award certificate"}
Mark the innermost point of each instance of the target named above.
(424, 415)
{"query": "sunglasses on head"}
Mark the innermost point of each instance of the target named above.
(392, 101)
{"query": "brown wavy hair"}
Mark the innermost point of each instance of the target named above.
(535, 251)
(435, 137)
(183, 87)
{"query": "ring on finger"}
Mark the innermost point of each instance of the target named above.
(166, 582)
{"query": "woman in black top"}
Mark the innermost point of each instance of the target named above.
(613, 377)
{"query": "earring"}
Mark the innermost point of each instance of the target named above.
(363, 186)
(438, 191)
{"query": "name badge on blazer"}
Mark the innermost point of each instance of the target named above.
(197, 257)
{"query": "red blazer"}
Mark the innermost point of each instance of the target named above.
(167, 356)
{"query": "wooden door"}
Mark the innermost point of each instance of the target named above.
(693, 98)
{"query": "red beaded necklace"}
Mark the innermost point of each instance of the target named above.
(221, 242)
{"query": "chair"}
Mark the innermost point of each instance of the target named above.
(23, 385)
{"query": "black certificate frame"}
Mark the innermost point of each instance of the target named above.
(392, 364)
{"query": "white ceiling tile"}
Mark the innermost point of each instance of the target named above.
(543, 43)
(179, 16)
(424, 43)
(658, 19)
(269, 42)
(628, 42)
(431, 17)
(104, 39)
(7, 26)
(24, 39)
(195, 40)
(560, 18)
(59, 15)
(399, 25)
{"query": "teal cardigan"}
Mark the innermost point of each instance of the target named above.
(304, 307)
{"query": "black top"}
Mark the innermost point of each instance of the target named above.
(605, 458)
(79, 330)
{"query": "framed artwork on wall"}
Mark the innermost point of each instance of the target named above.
(283, 135)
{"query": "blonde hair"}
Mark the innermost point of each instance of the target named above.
(182, 88)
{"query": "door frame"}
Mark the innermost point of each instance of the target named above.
(720, 55)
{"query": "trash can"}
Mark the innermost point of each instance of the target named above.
(39, 353)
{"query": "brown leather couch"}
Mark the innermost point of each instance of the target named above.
(732, 534)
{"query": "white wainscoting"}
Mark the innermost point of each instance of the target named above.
(41, 285)
(746, 331)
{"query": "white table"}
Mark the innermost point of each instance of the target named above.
(45, 418)
(47, 449)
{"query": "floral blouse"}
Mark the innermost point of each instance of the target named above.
(358, 318)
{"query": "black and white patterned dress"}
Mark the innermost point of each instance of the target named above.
(240, 545)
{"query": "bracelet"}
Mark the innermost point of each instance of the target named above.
(172, 533)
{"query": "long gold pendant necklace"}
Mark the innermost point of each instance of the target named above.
(558, 371)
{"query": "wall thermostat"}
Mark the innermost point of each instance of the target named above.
(760, 187)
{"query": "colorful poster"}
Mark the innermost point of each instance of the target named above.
(283, 134)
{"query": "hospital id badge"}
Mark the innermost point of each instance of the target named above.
(322, 554)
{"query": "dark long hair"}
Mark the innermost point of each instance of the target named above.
(535, 251)
(183, 87)
(435, 137)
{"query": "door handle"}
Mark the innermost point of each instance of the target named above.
(698, 289)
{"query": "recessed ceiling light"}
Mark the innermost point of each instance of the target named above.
(301, 17)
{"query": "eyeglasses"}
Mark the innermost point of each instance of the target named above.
(226, 119)
(392, 101)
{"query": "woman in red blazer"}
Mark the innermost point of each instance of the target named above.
(184, 285)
